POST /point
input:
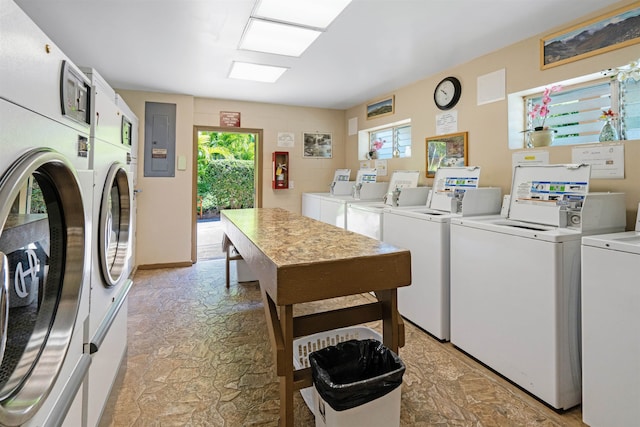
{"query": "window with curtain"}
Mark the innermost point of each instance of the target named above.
(396, 141)
(575, 112)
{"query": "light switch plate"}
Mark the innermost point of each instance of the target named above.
(182, 163)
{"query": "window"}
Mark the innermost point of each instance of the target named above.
(630, 109)
(575, 111)
(396, 141)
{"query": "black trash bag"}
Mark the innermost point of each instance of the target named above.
(355, 372)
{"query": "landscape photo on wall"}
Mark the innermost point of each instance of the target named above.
(614, 30)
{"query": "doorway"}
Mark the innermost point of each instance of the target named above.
(227, 174)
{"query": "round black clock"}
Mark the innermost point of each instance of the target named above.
(447, 93)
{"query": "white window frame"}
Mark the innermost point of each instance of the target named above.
(517, 113)
(364, 139)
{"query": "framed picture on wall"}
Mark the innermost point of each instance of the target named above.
(611, 31)
(446, 150)
(381, 107)
(317, 144)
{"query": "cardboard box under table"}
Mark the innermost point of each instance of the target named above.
(297, 260)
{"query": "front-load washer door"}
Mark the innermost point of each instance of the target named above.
(115, 221)
(42, 259)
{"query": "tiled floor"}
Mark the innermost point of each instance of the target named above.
(199, 356)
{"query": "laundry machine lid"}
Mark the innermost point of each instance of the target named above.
(628, 241)
(341, 175)
(366, 175)
(539, 191)
(43, 272)
(448, 182)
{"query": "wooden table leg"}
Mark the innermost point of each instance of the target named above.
(391, 320)
(286, 381)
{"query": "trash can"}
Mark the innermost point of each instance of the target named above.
(358, 383)
(304, 346)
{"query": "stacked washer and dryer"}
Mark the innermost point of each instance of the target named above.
(45, 227)
(111, 141)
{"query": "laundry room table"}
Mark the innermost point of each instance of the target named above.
(297, 260)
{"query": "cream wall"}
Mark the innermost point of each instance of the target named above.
(487, 124)
(163, 226)
(307, 174)
(164, 206)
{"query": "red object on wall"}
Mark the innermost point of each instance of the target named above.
(280, 170)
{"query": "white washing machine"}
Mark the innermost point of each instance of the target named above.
(515, 282)
(425, 232)
(45, 226)
(110, 282)
(340, 186)
(331, 208)
(366, 218)
(610, 320)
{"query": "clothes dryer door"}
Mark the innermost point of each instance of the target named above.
(115, 222)
(42, 259)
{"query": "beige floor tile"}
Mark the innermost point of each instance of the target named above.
(199, 355)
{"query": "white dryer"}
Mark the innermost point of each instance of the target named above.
(45, 224)
(425, 232)
(110, 282)
(610, 320)
(515, 282)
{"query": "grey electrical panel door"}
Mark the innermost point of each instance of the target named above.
(159, 139)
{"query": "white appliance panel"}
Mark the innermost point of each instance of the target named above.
(515, 307)
(311, 205)
(33, 65)
(333, 209)
(334, 212)
(610, 339)
(366, 219)
(22, 132)
(112, 243)
(426, 301)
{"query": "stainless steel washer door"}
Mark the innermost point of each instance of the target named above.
(115, 220)
(42, 247)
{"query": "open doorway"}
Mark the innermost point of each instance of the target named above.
(227, 174)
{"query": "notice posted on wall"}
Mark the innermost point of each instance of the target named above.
(447, 122)
(528, 157)
(607, 161)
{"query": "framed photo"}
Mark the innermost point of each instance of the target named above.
(602, 34)
(382, 107)
(446, 150)
(316, 144)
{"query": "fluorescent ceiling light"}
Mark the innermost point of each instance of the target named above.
(311, 13)
(274, 37)
(255, 72)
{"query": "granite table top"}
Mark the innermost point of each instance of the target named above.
(299, 259)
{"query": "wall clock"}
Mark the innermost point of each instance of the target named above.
(447, 93)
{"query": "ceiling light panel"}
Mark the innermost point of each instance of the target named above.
(274, 37)
(310, 13)
(255, 72)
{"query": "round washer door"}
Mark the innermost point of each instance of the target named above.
(42, 258)
(115, 221)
